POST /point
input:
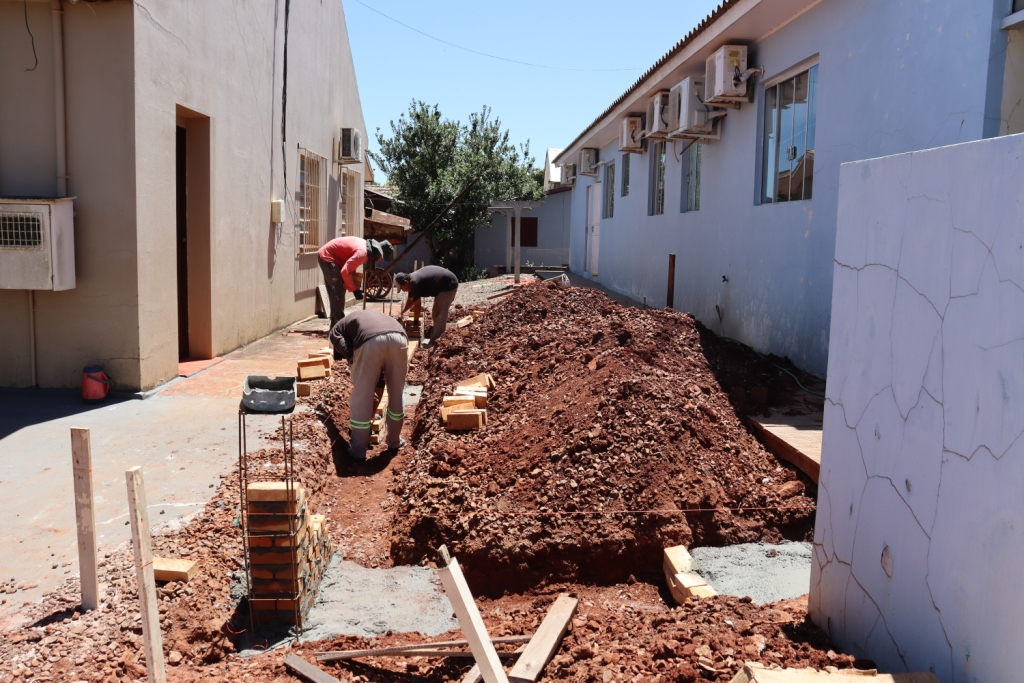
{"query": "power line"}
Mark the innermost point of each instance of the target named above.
(484, 54)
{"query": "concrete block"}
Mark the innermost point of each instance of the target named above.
(168, 569)
(466, 420)
(273, 491)
(311, 369)
(677, 559)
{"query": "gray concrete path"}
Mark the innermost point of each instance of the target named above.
(184, 437)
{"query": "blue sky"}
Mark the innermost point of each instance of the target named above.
(548, 106)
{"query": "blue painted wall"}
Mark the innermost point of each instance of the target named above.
(893, 76)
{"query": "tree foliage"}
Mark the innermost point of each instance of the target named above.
(430, 159)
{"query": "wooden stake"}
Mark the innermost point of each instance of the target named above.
(472, 623)
(81, 468)
(670, 297)
(300, 667)
(143, 548)
(545, 642)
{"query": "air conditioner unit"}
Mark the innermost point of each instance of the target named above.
(569, 174)
(631, 137)
(688, 115)
(725, 78)
(37, 244)
(350, 147)
(588, 161)
(657, 116)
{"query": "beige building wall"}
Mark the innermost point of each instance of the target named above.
(97, 321)
(134, 73)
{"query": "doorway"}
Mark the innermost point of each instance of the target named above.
(181, 220)
(593, 227)
(192, 178)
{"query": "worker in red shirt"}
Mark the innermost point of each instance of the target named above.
(339, 260)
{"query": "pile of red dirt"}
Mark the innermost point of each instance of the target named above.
(609, 437)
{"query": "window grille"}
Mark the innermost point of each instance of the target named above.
(789, 131)
(21, 231)
(312, 201)
(350, 204)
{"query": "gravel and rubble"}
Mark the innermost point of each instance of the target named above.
(609, 437)
(600, 412)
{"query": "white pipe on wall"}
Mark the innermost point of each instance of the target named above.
(58, 90)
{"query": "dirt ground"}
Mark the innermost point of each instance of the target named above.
(601, 416)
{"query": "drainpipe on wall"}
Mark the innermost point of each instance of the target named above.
(62, 161)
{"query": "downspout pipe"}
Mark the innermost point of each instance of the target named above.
(56, 15)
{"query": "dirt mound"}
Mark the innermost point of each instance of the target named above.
(609, 437)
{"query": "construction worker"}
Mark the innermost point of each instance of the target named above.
(339, 260)
(375, 346)
(432, 281)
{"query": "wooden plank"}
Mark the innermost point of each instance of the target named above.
(464, 322)
(545, 642)
(451, 401)
(753, 672)
(484, 381)
(308, 372)
(303, 669)
(351, 654)
(81, 469)
(472, 623)
(413, 345)
(142, 547)
(795, 439)
(173, 569)
(499, 294)
(473, 675)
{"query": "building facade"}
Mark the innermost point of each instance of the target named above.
(751, 217)
(179, 125)
(544, 235)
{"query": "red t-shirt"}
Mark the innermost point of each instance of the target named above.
(347, 252)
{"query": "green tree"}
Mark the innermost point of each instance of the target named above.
(430, 159)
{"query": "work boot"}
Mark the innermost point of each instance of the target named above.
(394, 424)
(360, 440)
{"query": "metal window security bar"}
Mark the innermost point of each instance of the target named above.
(789, 131)
(21, 231)
(609, 191)
(312, 200)
(625, 174)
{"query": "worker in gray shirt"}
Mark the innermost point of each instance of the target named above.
(432, 281)
(375, 345)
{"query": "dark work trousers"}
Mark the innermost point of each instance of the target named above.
(335, 289)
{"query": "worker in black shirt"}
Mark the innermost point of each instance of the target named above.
(375, 346)
(432, 281)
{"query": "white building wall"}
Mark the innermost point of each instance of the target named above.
(552, 236)
(893, 77)
(919, 537)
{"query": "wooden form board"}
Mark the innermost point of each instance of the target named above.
(545, 642)
(472, 623)
(142, 546)
(462, 420)
(795, 439)
(682, 581)
(81, 469)
(304, 669)
(753, 672)
(399, 649)
(474, 676)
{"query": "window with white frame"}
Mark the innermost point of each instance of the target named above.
(789, 131)
(625, 174)
(609, 191)
(691, 178)
(656, 200)
(312, 201)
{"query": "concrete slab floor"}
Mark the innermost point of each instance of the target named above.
(184, 437)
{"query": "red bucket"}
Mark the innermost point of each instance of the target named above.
(95, 384)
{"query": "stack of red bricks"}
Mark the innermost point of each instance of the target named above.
(289, 551)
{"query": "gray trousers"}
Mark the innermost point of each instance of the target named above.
(387, 352)
(439, 313)
(335, 289)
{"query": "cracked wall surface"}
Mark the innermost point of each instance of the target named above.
(920, 527)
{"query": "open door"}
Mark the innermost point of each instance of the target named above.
(595, 226)
(181, 191)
